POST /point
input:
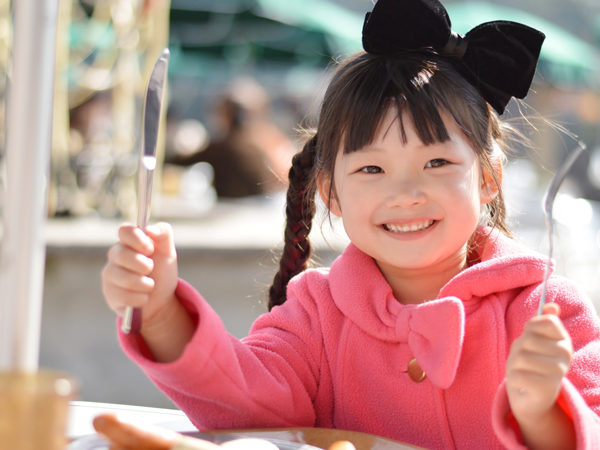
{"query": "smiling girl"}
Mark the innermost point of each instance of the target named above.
(411, 207)
(422, 330)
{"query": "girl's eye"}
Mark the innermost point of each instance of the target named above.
(436, 163)
(371, 169)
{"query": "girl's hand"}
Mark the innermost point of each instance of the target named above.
(537, 362)
(141, 271)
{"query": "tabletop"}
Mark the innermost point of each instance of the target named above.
(81, 415)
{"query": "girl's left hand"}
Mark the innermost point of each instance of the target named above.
(537, 362)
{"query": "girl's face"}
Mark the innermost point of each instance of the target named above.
(408, 205)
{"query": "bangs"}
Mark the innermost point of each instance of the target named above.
(418, 87)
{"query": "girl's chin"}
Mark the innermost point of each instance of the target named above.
(428, 261)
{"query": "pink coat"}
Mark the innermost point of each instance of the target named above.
(335, 355)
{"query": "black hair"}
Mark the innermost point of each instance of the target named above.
(421, 86)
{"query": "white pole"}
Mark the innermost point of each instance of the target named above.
(28, 141)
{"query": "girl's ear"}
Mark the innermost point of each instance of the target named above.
(324, 186)
(489, 188)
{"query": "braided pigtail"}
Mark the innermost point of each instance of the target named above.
(299, 212)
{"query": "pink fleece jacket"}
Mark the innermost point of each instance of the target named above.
(335, 355)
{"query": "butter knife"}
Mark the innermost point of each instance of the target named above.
(132, 318)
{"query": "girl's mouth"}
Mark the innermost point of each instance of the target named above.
(408, 228)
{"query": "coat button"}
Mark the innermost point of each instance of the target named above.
(415, 372)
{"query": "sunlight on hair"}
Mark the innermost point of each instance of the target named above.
(498, 154)
(422, 78)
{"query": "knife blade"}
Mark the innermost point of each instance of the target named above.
(132, 318)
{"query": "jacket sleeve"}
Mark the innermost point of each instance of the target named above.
(268, 379)
(580, 394)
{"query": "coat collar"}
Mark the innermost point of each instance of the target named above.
(361, 292)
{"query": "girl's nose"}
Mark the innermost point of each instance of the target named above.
(405, 193)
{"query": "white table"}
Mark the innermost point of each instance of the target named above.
(81, 415)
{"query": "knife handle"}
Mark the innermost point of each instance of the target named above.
(132, 319)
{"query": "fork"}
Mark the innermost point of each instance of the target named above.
(555, 183)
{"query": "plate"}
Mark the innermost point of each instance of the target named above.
(92, 442)
(220, 438)
(95, 442)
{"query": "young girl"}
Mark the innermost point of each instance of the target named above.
(423, 330)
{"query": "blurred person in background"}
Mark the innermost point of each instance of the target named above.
(249, 154)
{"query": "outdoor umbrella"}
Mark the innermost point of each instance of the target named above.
(290, 31)
(206, 34)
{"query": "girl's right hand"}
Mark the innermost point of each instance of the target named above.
(141, 271)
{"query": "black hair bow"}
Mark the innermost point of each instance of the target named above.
(498, 58)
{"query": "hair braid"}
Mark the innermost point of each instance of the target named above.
(299, 212)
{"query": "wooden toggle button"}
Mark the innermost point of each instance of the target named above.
(415, 372)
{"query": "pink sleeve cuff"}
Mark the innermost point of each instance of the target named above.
(585, 421)
(209, 328)
(222, 383)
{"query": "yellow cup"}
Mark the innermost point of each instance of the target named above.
(34, 409)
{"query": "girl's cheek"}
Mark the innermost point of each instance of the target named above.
(462, 182)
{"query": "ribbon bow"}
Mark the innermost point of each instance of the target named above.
(434, 331)
(498, 58)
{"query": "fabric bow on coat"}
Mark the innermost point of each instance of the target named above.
(434, 332)
(498, 58)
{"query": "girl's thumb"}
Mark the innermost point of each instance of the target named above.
(552, 308)
(162, 235)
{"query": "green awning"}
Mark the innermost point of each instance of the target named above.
(280, 28)
(338, 23)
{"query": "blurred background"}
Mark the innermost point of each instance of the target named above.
(245, 76)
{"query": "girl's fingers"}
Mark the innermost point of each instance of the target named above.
(131, 260)
(119, 299)
(538, 361)
(540, 365)
(535, 344)
(127, 280)
(131, 236)
(541, 355)
(536, 381)
(548, 326)
(161, 234)
(552, 308)
(545, 335)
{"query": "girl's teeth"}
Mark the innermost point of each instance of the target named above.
(408, 228)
